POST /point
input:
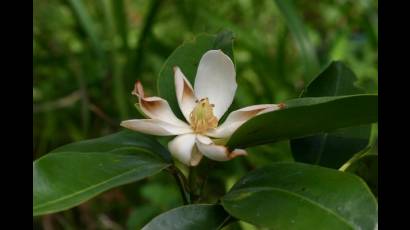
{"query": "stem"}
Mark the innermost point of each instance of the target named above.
(227, 221)
(202, 188)
(355, 157)
(194, 185)
(182, 184)
(118, 86)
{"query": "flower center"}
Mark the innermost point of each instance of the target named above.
(202, 117)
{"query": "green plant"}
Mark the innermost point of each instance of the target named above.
(320, 191)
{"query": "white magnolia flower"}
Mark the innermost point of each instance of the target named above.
(202, 107)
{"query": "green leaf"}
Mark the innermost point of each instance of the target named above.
(187, 57)
(115, 141)
(197, 216)
(335, 80)
(367, 168)
(306, 116)
(77, 172)
(301, 196)
(332, 149)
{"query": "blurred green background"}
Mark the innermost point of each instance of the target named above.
(87, 55)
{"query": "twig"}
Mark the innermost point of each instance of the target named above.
(202, 189)
(63, 102)
(226, 221)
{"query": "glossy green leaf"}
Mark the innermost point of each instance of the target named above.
(187, 57)
(332, 149)
(77, 172)
(335, 80)
(115, 141)
(300, 196)
(306, 116)
(197, 216)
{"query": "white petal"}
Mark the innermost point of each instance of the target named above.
(216, 152)
(215, 79)
(184, 92)
(196, 156)
(155, 107)
(238, 117)
(155, 127)
(183, 148)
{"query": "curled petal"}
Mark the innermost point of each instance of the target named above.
(183, 149)
(185, 93)
(216, 152)
(155, 107)
(238, 117)
(215, 80)
(155, 127)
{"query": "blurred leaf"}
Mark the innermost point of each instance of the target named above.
(367, 167)
(160, 194)
(197, 216)
(87, 24)
(299, 32)
(306, 116)
(137, 57)
(77, 172)
(332, 149)
(187, 57)
(121, 21)
(301, 196)
(141, 215)
(116, 65)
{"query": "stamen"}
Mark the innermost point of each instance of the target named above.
(202, 117)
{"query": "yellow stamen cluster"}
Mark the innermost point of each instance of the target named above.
(202, 117)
